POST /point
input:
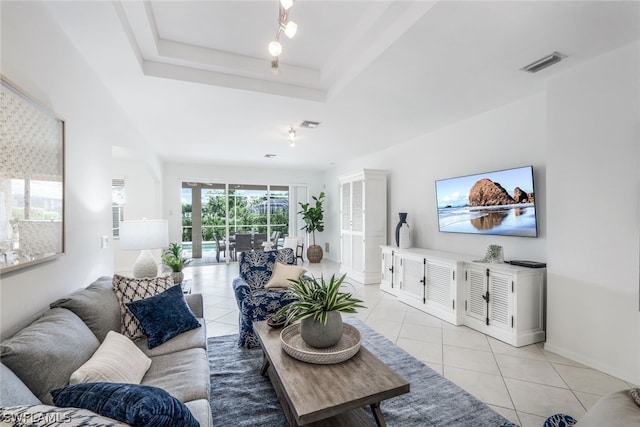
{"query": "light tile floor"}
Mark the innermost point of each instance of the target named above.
(525, 385)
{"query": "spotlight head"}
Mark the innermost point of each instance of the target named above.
(290, 29)
(275, 48)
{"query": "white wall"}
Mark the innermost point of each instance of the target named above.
(593, 213)
(582, 138)
(37, 56)
(510, 136)
(143, 199)
(177, 173)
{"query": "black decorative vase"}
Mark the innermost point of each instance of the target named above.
(403, 219)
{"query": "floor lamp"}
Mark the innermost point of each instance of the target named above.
(143, 236)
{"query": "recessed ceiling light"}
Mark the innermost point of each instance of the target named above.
(309, 124)
(543, 63)
(269, 156)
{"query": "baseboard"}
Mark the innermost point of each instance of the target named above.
(614, 371)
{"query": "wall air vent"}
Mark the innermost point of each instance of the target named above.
(543, 63)
(269, 156)
(309, 124)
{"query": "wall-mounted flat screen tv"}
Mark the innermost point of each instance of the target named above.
(500, 202)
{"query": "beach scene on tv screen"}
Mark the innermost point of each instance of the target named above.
(501, 202)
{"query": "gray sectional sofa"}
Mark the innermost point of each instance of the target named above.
(614, 409)
(42, 356)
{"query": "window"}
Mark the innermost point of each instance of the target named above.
(218, 211)
(117, 203)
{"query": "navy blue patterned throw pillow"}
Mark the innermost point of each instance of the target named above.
(133, 404)
(163, 316)
(560, 420)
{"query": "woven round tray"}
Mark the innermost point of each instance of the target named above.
(295, 347)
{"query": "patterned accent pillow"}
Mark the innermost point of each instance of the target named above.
(46, 416)
(635, 395)
(127, 290)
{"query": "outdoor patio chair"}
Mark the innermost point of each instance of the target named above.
(221, 246)
(258, 240)
(256, 302)
(243, 243)
(275, 236)
(296, 244)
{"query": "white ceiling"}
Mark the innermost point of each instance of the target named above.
(194, 76)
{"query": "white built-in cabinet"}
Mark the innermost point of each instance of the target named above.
(506, 302)
(363, 224)
(429, 284)
(500, 300)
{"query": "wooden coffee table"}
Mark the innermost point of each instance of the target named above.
(322, 395)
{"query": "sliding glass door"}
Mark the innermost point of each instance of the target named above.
(213, 214)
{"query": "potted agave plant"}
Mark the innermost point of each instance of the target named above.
(318, 304)
(174, 258)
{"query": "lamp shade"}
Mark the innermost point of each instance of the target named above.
(144, 234)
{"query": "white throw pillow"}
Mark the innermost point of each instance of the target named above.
(117, 360)
(281, 275)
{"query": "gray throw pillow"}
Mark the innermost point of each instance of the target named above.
(96, 305)
(13, 391)
(44, 354)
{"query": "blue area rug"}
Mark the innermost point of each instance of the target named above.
(240, 396)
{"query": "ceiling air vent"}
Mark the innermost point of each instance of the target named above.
(309, 124)
(543, 63)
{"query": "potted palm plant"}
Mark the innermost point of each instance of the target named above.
(318, 304)
(313, 215)
(174, 258)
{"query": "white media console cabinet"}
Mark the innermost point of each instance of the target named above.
(501, 300)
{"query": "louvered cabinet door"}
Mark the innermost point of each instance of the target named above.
(476, 288)
(387, 277)
(363, 218)
(440, 289)
(412, 278)
(357, 206)
(346, 239)
(500, 305)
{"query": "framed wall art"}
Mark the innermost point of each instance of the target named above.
(31, 180)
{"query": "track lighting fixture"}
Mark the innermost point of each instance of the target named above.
(284, 25)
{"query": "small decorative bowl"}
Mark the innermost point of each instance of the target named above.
(277, 321)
